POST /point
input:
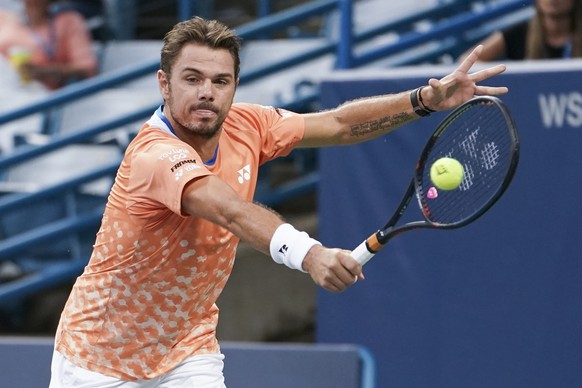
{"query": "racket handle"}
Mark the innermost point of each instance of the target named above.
(361, 254)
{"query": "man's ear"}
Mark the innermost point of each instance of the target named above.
(164, 84)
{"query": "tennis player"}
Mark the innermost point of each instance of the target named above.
(143, 313)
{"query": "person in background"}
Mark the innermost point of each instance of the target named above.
(54, 48)
(143, 313)
(555, 31)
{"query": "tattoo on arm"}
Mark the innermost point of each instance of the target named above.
(383, 125)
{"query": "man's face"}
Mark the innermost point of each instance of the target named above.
(200, 90)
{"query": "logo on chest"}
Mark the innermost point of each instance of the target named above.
(244, 174)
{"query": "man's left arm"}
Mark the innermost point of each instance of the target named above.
(367, 118)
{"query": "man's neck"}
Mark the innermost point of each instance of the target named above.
(205, 147)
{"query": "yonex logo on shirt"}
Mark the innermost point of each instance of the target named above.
(244, 174)
(189, 167)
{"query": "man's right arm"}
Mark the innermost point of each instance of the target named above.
(210, 198)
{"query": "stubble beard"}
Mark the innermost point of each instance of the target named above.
(205, 129)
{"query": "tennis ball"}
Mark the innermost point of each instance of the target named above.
(446, 173)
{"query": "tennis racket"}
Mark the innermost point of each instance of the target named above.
(482, 136)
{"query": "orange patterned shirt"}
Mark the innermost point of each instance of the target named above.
(146, 300)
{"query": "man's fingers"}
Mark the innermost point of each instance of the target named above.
(491, 90)
(489, 72)
(334, 283)
(340, 278)
(346, 277)
(470, 60)
(350, 271)
(339, 273)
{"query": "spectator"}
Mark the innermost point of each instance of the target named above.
(54, 48)
(555, 31)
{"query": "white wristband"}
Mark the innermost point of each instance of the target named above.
(289, 246)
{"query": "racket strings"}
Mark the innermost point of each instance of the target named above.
(480, 140)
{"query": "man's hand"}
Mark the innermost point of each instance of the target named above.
(460, 86)
(332, 269)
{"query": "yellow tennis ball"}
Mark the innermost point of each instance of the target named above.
(446, 173)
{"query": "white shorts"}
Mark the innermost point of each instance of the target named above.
(201, 371)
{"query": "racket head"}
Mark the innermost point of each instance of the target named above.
(482, 136)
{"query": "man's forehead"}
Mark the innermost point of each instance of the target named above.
(205, 59)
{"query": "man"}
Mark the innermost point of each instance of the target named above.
(143, 313)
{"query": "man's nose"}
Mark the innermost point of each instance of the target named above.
(205, 92)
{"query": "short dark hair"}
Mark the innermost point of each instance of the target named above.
(210, 33)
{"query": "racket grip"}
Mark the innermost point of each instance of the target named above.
(361, 254)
